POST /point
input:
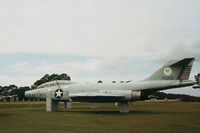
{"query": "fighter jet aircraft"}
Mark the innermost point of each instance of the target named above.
(173, 74)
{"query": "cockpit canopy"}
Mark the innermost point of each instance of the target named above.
(55, 83)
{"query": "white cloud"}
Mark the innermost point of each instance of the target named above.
(181, 51)
(50, 67)
(92, 69)
(19, 81)
(97, 28)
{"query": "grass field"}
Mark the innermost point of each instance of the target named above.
(145, 117)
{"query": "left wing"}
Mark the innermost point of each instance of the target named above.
(95, 97)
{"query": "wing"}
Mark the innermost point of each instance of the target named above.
(96, 97)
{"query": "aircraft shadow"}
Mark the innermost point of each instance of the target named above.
(114, 112)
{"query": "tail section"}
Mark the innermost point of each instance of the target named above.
(174, 70)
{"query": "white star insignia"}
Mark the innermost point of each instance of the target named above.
(59, 93)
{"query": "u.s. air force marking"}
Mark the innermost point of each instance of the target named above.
(59, 93)
(167, 71)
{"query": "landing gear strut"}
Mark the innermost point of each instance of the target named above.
(124, 107)
(51, 105)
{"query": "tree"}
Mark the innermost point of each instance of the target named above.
(64, 77)
(182, 97)
(197, 78)
(6, 91)
(13, 89)
(1, 90)
(21, 93)
(99, 81)
(48, 78)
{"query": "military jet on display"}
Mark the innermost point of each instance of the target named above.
(174, 74)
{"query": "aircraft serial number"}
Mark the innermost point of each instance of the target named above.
(167, 78)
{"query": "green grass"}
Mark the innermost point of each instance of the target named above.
(145, 117)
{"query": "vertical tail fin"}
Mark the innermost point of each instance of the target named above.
(174, 70)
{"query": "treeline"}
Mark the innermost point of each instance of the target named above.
(48, 78)
(182, 97)
(17, 93)
(13, 92)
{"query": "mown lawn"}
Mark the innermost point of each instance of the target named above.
(145, 117)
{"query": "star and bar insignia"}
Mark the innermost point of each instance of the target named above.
(58, 93)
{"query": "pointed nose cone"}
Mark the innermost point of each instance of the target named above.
(28, 93)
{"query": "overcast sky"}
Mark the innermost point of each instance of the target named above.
(95, 39)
